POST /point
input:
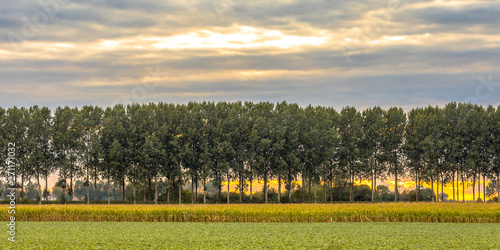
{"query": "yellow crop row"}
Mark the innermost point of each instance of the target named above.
(378, 212)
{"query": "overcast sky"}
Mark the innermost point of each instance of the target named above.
(320, 52)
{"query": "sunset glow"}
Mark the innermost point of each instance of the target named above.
(258, 185)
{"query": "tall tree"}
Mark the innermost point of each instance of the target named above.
(113, 144)
(153, 153)
(137, 131)
(15, 127)
(169, 121)
(292, 115)
(262, 138)
(39, 145)
(495, 150)
(395, 120)
(66, 138)
(91, 122)
(451, 140)
(373, 126)
(350, 132)
(414, 146)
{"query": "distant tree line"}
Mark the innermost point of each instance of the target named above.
(201, 143)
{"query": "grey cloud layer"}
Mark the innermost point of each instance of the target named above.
(452, 46)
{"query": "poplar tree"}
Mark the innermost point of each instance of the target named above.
(395, 121)
(373, 125)
(66, 138)
(91, 122)
(262, 138)
(350, 132)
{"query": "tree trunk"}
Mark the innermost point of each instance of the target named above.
(65, 191)
(375, 184)
(240, 183)
(196, 190)
(324, 189)
(331, 190)
(228, 182)
(453, 184)
(156, 191)
(463, 189)
(180, 190)
(302, 187)
(46, 188)
(204, 191)
(22, 186)
(168, 190)
(109, 190)
(351, 180)
(442, 188)
(373, 189)
(123, 189)
(478, 186)
(144, 189)
(498, 188)
(437, 189)
(40, 190)
(265, 188)
(474, 188)
(71, 187)
(251, 194)
(192, 189)
(120, 191)
(315, 184)
(251, 180)
(289, 188)
(95, 183)
(433, 198)
(135, 197)
(309, 184)
(484, 188)
(395, 183)
(218, 196)
(279, 189)
(88, 187)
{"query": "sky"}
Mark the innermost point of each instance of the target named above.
(320, 52)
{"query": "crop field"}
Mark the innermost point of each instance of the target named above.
(378, 212)
(149, 235)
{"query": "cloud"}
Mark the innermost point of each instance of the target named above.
(320, 52)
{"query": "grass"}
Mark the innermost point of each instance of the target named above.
(148, 235)
(378, 212)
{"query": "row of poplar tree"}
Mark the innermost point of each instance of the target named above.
(242, 142)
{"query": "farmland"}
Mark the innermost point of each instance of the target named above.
(377, 212)
(148, 235)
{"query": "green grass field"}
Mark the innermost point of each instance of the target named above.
(151, 235)
(259, 226)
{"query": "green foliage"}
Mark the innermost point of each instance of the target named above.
(150, 235)
(207, 143)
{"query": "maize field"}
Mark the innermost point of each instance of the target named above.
(360, 212)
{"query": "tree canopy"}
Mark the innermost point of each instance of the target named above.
(207, 142)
